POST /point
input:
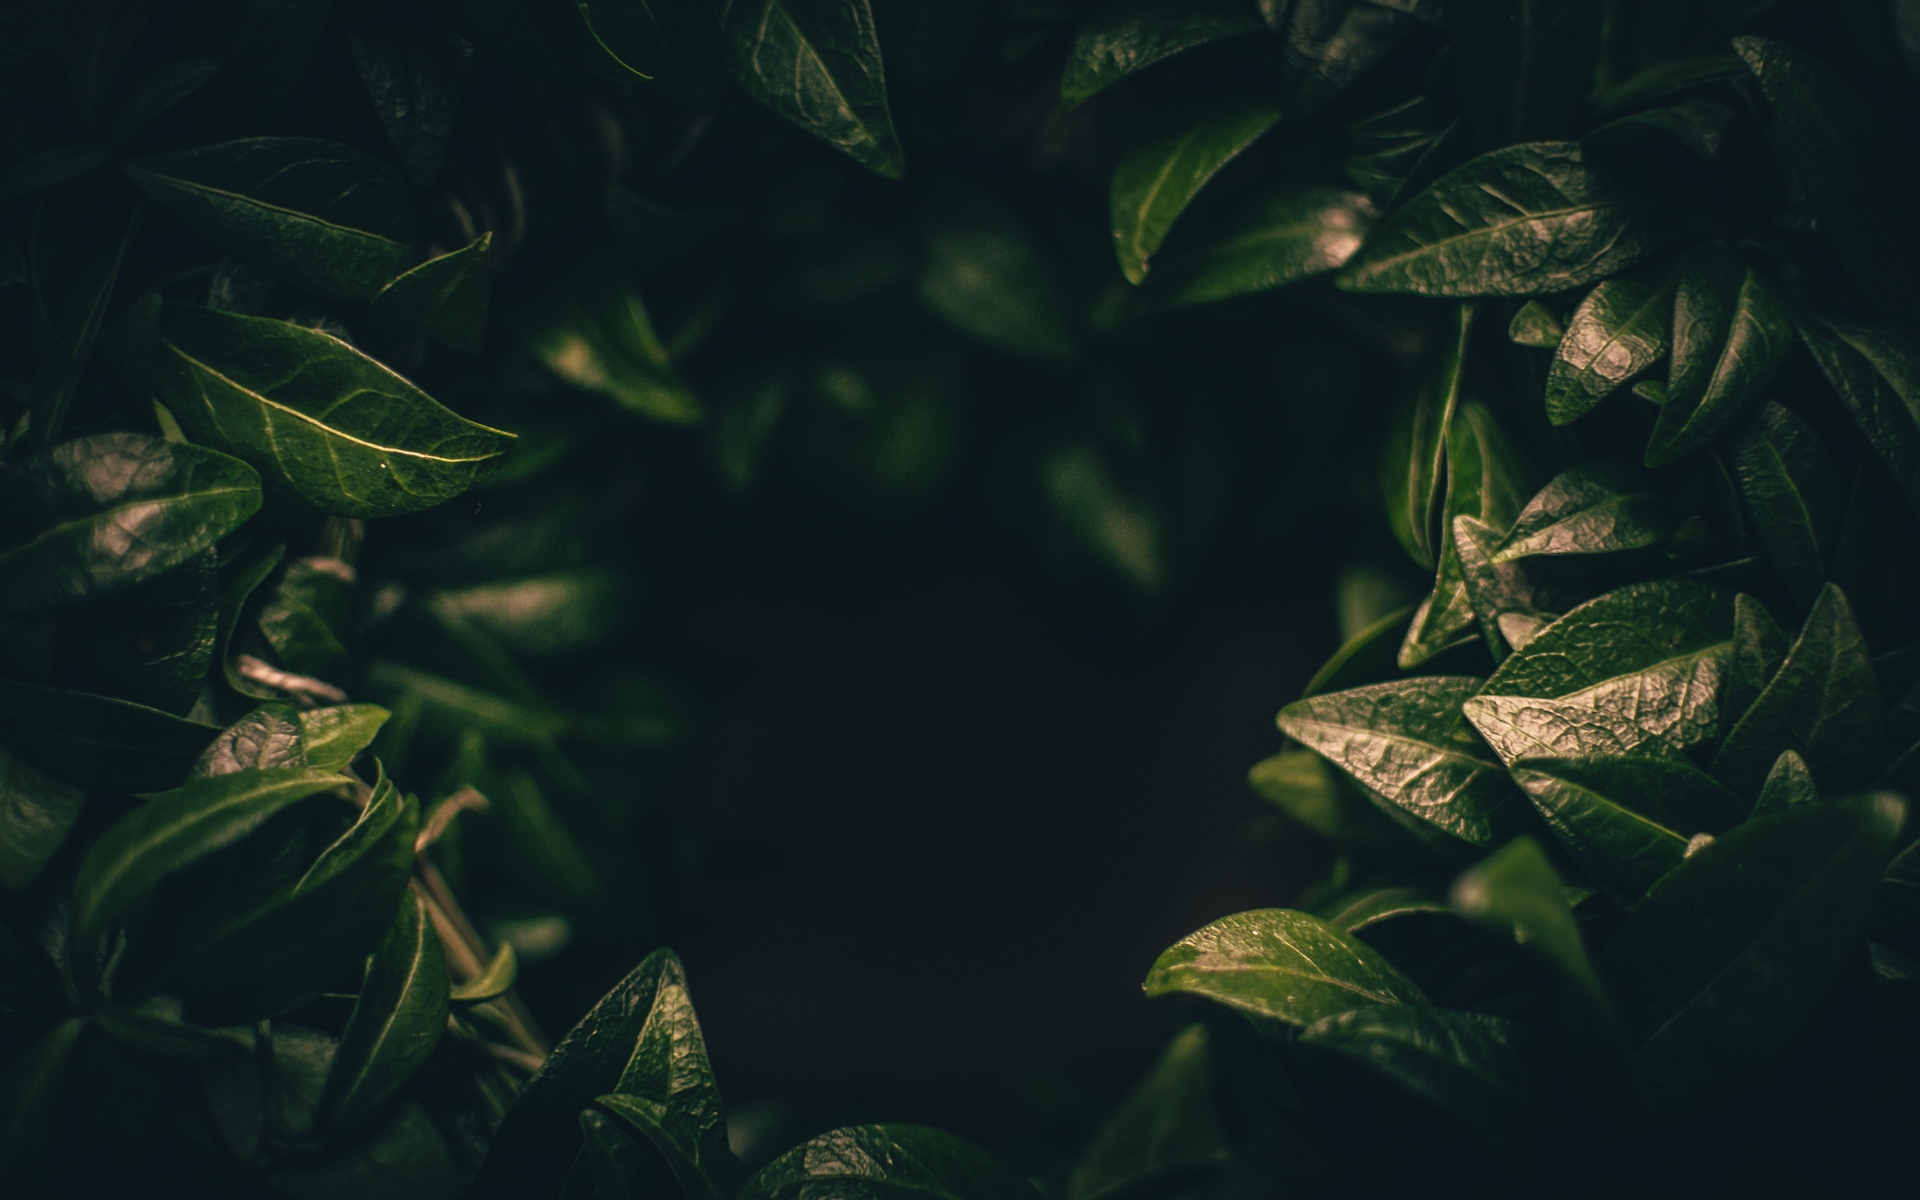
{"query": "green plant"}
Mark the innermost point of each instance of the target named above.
(339, 338)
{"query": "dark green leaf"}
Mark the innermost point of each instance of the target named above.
(306, 618)
(1402, 742)
(156, 1030)
(159, 92)
(1510, 602)
(79, 236)
(1730, 334)
(988, 277)
(396, 1021)
(1788, 783)
(270, 44)
(415, 87)
(151, 643)
(1823, 703)
(98, 742)
(443, 299)
(323, 423)
(1731, 952)
(1848, 162)
(1132, 36)
(888, 1162)
(1411, 473)
(98, 515)
(36, 811)
(1618, 331)
(333, 737)
(1277, 963)
(1366, 657)
(1699, 125)
(1877, 373)
(1759, 647)
(315, 215)
(1282, 236)
(1467, 1064)
(1331, 43)
(1156, 181)
(1523, 67)
(1521, 221)
(269, 736)
(52, 168)
(817, 63)
(613, 1163)
(1535, 325)
(1596, 507)
(1168, 1128)
(494, 981)
(1351, 914)
(539, 615)
(173, 830)
(1654, 652)
(1300, 784)
(1517, 892)
(1627, 821)
(1793, 495)
(594, 332)
(29, 1094)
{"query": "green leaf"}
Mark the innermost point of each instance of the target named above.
(151, 643)
(1522, 221)
(1366, 657)
(1627, 820)
(817, 64)
(1277, 963)
(1618, 331)
(988, 277)
(1517, 892)
(36, 812)
(98, 742)
(395, 1024)
(326, 426)
(1730, 953)
(1877, 374)
(269, 736)
(97, 515)
(1655, 652)
(1519, 727)
(1131, 37)
(454, 706)
(79, 236)
(1759, 647)
(1535, 325)
(539, 615)
(1300, 784)
(443, 299)
(1730, 334)
(1401, 741)
(155, 1030)
(1167, 1129)
(159, 93)
(1788, 783)
(1793, 495)
(1331, 43)
(1850, 165)
(306, 618)
(317, 216)
(1699, 125)
(613, 1163)
(174, 830)
(594, 332)
(1594, 507)
(30, 1089)
(1524, 67)
(1823, 703)
(415, 85)
(1510, 602)
(1351, 914)
(888, 1162)
(333, 737)
(1464, 1063)
(1411, 472)
(1156, 181)
(491, 983)
(1283, 235)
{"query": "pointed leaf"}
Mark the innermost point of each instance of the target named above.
(1788, 783)
(888, 1162)
(1412, 471)
(817, 63)
(1156, 181)
(1759, 647)
(1510, 601)
(1467, 1064)
(333, 737)
(1517, 892)
(1280, 237)
(1699, 125)
(443, 299)
(594, 332)
(325, 425)
(1519, 727)
(1168, 1128)
(1793, 495)
(1618, 331)
(1351, 914)
(1277, 963)
(491, 983)
(1730, 334)
(1594, 507)
(269, 736)
(1877, 374)
(1130, 37)
(395, 1024)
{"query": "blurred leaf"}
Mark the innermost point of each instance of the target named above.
(97, 515)
(29, 1093)
(317, 216)
(396, 1021)
(1367, 657)
(1618, 331)
(1302, 785)
(1281, 964)
(541, 614)
(1699, 125)
(1596, 507)
(817, 63)
(305, 619)
(1167, 1129)
(1282, 236)
(887, 1162)
(1877, 374)
(327, 427)
(594, 332)
(1517, 892)
(1730, 334)
(1155, 181)
(415, 86)
(1132, 36)
(1328, 44)
(98, 742)
(1465, 1063)
(986, 276)
(157, 94)
(1412, 470)
(1524, 67)
(79, 237)
(443, 299)
(36, 812)
(1793, 495)
(1522, 221)
(1730, 953)
(1788, 783)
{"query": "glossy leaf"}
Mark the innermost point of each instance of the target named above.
(1730, 334)
(817, 63)
(395, 1024)
(1402, 742)
(1130, 37)
(1167, 1129)
(1280, 964)
(333, 737)
(1524, 67)
(1510, 602)
(1653, 652)
(1877, 374)
(1283, 236)
(1793, 495)
(1517, 891)
(1627, 821)
(1823, 703)
(1519, 727)
(1536, 325)
(1618, 331)
(1788, 783)
(888, 1162)
(269, 736)
(1521, 221)
(96, 741)
(1596, 507)
(174, 830)
(443, 299)
(98, 515)
(1731, 952)
(1467, 1064)
(315, 215)
(1412, 471)
(326, 426)
(1156, 181)
(36, 813)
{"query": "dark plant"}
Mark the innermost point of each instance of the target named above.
(305, 658)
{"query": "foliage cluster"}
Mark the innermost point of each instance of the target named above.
(1623, 858)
